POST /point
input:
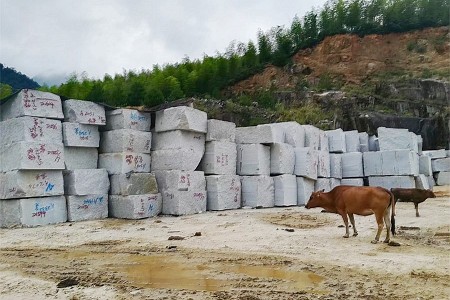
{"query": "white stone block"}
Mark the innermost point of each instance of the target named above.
(30, 183)
(223, 192)
(305, 187)
(258, 191)
(334, 182)
(179, 139)
(31, 212)
(220, 131)
(121, 163)
(352, 181)
(394, 162)
(306, 161)
(441, 165)
(322, 184)
(389, 182)
(176, 159)
(180, 203)
(30, 129)
(422, 182)
(80, 135)
(285, 190)
(219, 158)
(180, 180)
(133, 184)
(425, 165)
(373, 143)
(352, 164)
(127, 119)
(335, 165)
(80, 158)
(294, 134)
(181, 118)
(282, 159)
(431, 182)
(352, 141)
(443, 178)
(125, 140)
(135, 206)
(435, 154)
(312, 137)
(363, 142)
(396, 139)
(86, 182)
(31, 156)
(323, 141)
(336, 141)
(253, 159)
(261, 134)
(83, 112)
(87, 207)
(32, 103)
(324, 164)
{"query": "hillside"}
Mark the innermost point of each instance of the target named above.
(15, 79)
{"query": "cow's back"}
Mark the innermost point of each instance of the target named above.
(414, 195)
(361, 199)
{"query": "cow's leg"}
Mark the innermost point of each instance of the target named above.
(352, 220)
(379, 217)
(387, 222)
(416, 205)
(344, 217)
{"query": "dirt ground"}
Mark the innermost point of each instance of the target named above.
(246, 254)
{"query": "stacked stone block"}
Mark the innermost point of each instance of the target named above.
(440, 166)
(31, 160)
(178, 147)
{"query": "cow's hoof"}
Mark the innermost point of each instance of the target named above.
(374, 241)
(345, 236)
(386, 241)
(355, 234)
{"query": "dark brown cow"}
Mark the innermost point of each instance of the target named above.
(415, 196)
(361, 200)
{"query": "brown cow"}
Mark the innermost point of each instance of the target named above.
(361, 200)
(412, 195)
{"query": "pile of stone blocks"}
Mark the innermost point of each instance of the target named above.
(31, 160)
(178, 146)
(86, 187)
(223, 186)
(440, 166)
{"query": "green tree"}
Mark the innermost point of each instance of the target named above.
(5, 90)
(264, 48)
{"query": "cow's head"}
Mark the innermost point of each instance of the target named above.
(430, 194)
(314, 200)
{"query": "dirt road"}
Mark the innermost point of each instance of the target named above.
(246, 254)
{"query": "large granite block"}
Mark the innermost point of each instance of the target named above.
(261, 134)
(396, 139)
(125, 140)
(305, 187)
(336, 141)
(121, 163)
(422, 182)
(181, 118)
(176, 159)
(80, 135)
(127, 119)
(223, 192)
(352, 164)
(220, 131)
(30, 129)
(323, 141)
(133, 184)
(394, 162)
(389, 182)
(87, 207)
(306, 161)
(285, 190)
(324, 164)
(83, 112)
(435, 154)
(425, 165)
(179, 139)
(373, 143)
(258, 191)
(294, 134)
(180, 180)
(253, 159)
(282, 159)
(80, 158)
(352, 141)
(312, 137)
(335, 165)
(322, 184)
(352, 181)
(219, 158)
(32, 103)
(31, 183)
(31, 156)
(441, 165)
(135, 206)
(86, 182)
(363, 142)
(443, 178)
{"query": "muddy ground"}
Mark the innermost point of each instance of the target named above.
(246, 254)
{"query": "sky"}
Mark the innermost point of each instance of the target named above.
(48, 40)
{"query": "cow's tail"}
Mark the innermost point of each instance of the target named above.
(392, 212)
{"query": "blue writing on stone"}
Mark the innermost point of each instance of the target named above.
(134, 116)
(95, 200)
(80, 132)
(150, 207)
(49, 187)
(37, 207)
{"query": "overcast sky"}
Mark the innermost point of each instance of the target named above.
(50, 39)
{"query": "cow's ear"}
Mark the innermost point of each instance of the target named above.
(323, 190)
